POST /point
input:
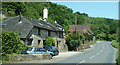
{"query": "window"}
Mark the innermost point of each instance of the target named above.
(29, 41)
(59, 34)
(49, 33)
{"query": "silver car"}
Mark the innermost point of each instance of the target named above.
(36, 50)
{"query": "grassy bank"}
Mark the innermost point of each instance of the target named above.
(115, 44)
(92, 43)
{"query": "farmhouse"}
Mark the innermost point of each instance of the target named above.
(33, 32)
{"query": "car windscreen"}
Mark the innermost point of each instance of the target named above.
(48, 47)
(29, 48)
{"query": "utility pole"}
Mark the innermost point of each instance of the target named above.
(76, 26)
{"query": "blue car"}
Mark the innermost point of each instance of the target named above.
(36, 50)
(52, 49)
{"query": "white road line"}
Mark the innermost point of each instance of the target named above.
(82, 61)
(101, 51)
(92, 56)
(98, 53)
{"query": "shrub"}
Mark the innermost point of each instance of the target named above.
(72, 41)
(49, 41)
(74, 44)
(114, 43)
(117, 57)
(82, 37)
(11, 44)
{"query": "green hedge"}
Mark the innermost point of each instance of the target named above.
(11, 44)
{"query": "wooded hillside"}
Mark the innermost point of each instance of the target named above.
(103, 28)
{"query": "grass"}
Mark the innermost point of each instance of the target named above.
(92, 43)
(115, 44)
(117, 58)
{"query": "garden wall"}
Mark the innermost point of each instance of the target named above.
(25, 57)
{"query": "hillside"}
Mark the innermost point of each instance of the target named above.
(103, 28)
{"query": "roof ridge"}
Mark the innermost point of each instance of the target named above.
(26, 19)
(11, 18)
(51, 25)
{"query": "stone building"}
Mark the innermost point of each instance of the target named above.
(33, 32)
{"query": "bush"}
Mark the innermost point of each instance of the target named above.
(117, 57)
(114, 43)
(82, 37)
(72, 41)
(11, 44)
(74, 44)
(49, 41)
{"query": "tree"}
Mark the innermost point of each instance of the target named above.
(49, 41)
(64, 16)
(73, 41)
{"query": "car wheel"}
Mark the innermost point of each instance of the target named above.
(51, 56)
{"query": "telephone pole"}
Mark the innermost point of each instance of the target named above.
(76, 26)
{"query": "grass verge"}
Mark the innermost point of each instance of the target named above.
(115, 44)
(92, 43)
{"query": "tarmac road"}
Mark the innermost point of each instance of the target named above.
(102, 52)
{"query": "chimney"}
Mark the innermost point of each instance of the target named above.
(45, 14)
(20, 20)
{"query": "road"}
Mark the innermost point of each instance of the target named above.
(102, 52)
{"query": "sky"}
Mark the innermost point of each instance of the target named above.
(94, 9)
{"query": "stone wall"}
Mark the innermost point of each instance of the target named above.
(52, 34)
(43, 33)
(37, 40)
(25, 57)
(62, 47)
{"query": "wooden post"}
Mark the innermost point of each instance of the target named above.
(76, 26)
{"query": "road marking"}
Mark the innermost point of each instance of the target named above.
(82, 61)
(101, 51)
(92, 56)
(98, 53)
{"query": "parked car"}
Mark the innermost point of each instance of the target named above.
(36, 50)
(52, 49)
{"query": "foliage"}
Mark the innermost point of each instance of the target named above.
(49, 41)
(103, 28)
(82, 37)
(92, 43)
(73, 41)
(115, 44)
(117, 57)
(11, 44)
